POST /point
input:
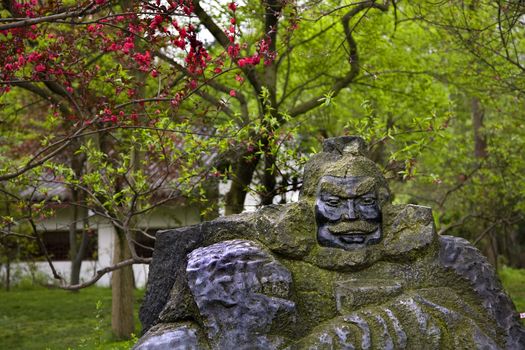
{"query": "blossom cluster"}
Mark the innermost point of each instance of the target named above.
(112, 50)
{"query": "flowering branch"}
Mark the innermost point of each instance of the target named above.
(26, 22)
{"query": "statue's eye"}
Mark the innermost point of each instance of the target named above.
(368, 201)
(333, 201)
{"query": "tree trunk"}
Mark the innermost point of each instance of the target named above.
(122, 323)
(76, 250)
(480, 151)
(242, 179)
(493, 243)
(8, 247)
(210, 209)
(378, 154)
(268, 181)
(8, 274)
(76, 264)
(480, 142)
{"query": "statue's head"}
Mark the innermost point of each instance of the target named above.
(349, 192)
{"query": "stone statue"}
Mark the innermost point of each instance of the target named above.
(342, 268)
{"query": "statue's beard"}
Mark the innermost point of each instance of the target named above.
(352, 228)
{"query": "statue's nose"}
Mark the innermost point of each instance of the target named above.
(351, 214)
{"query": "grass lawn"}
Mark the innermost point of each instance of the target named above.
(55, 319)
(514, 282)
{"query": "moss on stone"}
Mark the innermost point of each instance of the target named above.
(410, 289)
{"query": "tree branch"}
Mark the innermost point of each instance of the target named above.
(26, 22)
(211, 83)
(33, 163)
(104, 271)
(223, 40)
(272, 9)
(44, 94)
(342, 82)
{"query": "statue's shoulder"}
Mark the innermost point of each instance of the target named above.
(469, 263)
(208, 232)
(172, 246)
(287, 229)
(407, 216)
(409, 230)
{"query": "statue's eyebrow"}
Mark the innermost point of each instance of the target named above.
(338, 187)
(365, 186)
(334, 189)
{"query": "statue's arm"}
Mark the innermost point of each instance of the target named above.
(166, 271)
(459, 311)
(168, 298)
(173, 336)
(468, 263)
(433, 318)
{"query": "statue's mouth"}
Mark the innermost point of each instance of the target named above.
(353, 238)
(348, 234)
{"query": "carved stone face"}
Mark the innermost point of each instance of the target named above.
(347, 212)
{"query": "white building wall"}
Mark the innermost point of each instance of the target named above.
(106, 243)
(58, 222)
(162, 218)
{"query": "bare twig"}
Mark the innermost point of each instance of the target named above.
(459, 223)
(104, 271)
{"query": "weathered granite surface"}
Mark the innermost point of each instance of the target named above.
(312, 275)
(240, 291)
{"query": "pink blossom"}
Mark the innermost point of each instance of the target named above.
(157, 20)
(33, 57)
(143, 59)
(253, 60)
(128, 45)
(182, 33)
(232, 6)
(233, 50)
(40, 68)
(114, 47)
(188, 10)
(181, 44)
(239, 78)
